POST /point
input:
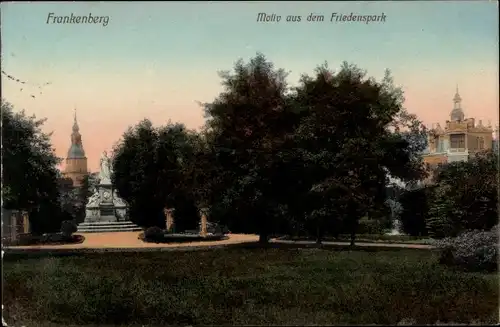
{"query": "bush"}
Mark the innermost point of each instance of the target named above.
(473, 250)
(54, 237)
(154, 233)
(415, 210)
(370, 226)
(68, 227)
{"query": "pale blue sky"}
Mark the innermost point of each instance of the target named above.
(156, 59)
(219, 32)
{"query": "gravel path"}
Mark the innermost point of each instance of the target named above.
(129, 241)
(368, 244)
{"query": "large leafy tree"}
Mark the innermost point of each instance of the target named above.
(354, 133)
(248, 124)
(29, 175)
(465, 196)
(148, 171)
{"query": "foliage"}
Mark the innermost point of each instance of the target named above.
(89, 185)
(271, 159)
(154, 233)
(149, 167)
(51, 238)
(465, 196)
(350, 141)
(74, 199)
(29, 174)
(83, 193)
(68, 228)
(442, 213)
(69, 200)
(415, 209)
(247, 125)
(371, 226)
(239, 286)
(321, 159)
(473, 250)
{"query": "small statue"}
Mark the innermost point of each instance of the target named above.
(118, 201)
(105, 173)
(92, 201)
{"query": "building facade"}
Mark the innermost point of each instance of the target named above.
(76, 162)
(460, 139)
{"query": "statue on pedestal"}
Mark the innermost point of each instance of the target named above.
(105, 206)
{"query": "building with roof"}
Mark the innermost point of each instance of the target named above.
(460, 139)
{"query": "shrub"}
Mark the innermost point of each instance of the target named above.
(153, 233)
(473, 250)
(370, 226)
(53, 237)
(415, 208)
(68, 227)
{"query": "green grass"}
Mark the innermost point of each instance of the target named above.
(239, 285)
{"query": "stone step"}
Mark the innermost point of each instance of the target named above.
(108, 223)
(110, 227)
(106, 230)
(107, 226)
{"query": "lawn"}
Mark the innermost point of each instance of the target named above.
(237, 285)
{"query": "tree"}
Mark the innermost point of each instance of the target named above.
(249, 123)
(415, 210)
(29, 170)
(148, 172)
(353, 135)
(74, 199)
(68, 198)
(466, 196)
(89, 185)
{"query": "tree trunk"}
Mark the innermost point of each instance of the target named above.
(263, 238)
(263, 227)
(354, 228)
(319, 236)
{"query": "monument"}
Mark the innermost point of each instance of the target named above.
(105, 210)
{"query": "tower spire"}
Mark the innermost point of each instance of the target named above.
(457, 99)
(457, 114)
(75, 122)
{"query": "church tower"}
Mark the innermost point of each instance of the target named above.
(76, 162)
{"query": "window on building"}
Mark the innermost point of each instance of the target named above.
(457, 141)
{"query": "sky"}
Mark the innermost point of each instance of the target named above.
(156, 60)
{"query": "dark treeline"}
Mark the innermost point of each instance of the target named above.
(271, 159)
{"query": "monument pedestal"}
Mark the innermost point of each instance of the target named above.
(105, 210)
(108, 226)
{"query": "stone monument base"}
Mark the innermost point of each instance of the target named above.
(108, 226)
